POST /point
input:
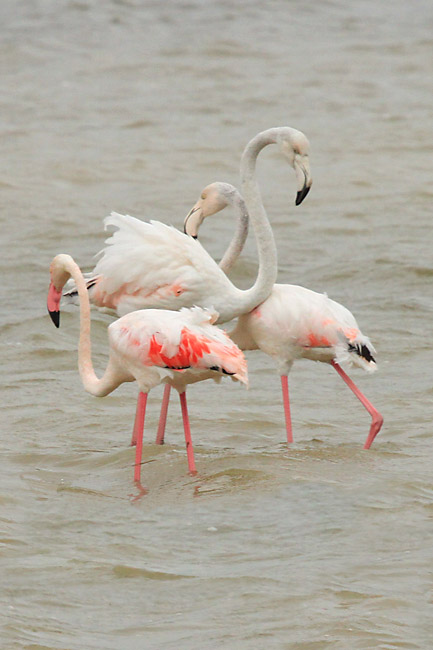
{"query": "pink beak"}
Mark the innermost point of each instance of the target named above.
(53, 304)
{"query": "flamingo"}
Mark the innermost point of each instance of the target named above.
(213, 198)
(151, 265)
(295, 322)
(150, 346)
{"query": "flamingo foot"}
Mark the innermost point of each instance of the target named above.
(142, 491)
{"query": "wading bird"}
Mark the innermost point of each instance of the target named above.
(150, 346)
(293, 323)
(213, 198)
(151, 265)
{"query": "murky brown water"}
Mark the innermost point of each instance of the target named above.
(135, 106)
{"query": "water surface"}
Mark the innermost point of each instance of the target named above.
(135, 106)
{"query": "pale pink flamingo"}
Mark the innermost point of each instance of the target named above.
(150, 346)
(213, 198)
(151, 265)
(293, 323)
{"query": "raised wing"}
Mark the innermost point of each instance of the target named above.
(152, 265)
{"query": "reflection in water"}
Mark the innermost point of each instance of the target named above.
(141, 492)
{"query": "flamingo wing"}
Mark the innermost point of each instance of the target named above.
(151, 265)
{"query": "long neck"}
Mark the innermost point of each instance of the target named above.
(93, 385)
(239, 238)
(267, 251)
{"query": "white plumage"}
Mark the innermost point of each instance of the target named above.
(149, 346)
(151, 265)
(295, 322)
(147, 265)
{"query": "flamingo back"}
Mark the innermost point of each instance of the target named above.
(297, 322)
(177, 341)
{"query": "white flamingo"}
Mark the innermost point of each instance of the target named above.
(151, 265)
(213, 198)
(293, 323)
(150, 346)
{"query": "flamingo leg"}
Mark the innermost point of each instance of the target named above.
(286, 403)
(163, 417)
(187, 430)
(139, 417)
(142, 398)
(376, 417)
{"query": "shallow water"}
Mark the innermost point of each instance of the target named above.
(135, 106)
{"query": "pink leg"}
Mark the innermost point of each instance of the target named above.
(139, 417)
(139, 441)
(377, 419)
(286, 402)
(188, 440)
(163, 417)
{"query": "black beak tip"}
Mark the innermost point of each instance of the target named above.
(301, 195)
(55, 317)
(185, 233)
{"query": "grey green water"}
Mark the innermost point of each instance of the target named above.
(135, 106)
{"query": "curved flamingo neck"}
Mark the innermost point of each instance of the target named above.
(239, 238)
(91, 383)
(267, 251)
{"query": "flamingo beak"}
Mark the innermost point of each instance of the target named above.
(193, 220)
(304, 180)
(300, 196)
(53, 304)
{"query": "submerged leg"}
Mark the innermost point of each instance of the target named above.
(140, 412)
(163, 416)
(376, 417)
(187, 430)
(286, 402)
(139, 441)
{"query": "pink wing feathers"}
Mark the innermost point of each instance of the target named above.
(178, 340)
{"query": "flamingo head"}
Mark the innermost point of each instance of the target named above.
(214, 197)
(295, 147)
(59, 276)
